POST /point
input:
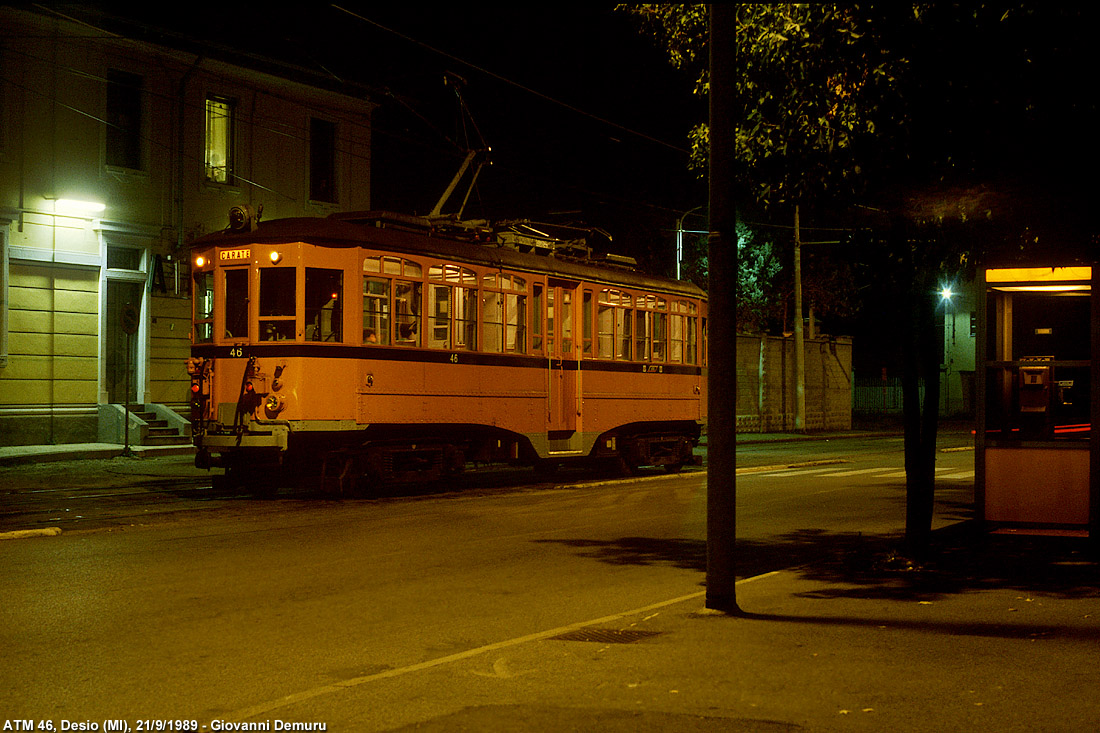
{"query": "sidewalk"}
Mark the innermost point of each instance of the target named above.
(15, 455)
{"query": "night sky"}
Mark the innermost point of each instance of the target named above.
(587, 120)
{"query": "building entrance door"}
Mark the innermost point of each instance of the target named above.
(119, 344)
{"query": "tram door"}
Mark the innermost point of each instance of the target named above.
(561, 352)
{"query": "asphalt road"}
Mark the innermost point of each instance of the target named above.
(212, 607)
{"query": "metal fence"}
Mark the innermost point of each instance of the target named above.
(878, 395)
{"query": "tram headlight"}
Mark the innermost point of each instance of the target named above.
(273, 405)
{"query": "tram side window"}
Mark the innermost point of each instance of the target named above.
(660, 335)
(586, 315)
(566, 322)
(439, 311)
(690, 345)
(676, 338)
(236, 303)
(623, 320)
(642, 323)
(492, 320)
(324, 304)
(550, 322)
(515, 333)
(465, 300)
(406, 307)
(452, 308)
(376, 311)
(605, 328)
(536, 317)
(204, 307)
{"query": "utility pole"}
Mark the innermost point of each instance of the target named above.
(799, 339)
(721, 592)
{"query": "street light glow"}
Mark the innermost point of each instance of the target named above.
(946, 293)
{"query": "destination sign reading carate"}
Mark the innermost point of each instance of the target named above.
(233, 254)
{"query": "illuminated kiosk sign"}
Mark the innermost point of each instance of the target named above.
(1036, 456)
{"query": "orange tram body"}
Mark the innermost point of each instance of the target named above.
(383, 347)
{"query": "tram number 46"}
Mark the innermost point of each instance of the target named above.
(454, 358)
(236, 351)
(653, 369)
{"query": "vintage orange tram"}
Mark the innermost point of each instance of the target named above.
(387, 346)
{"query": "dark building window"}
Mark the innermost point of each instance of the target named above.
(124, 119)
(322, 160)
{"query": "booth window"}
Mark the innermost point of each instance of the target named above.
(1038, 351)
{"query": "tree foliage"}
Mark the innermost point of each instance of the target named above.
(815, 88)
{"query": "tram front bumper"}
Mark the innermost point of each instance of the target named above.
(265, 438)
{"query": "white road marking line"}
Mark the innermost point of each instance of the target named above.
(800, 471)
(861, 471)
(267, 707)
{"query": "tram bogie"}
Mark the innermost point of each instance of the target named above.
(380, 348)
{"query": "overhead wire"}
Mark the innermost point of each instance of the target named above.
(517, 85)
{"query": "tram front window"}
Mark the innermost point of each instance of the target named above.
(277, 296)
(236, 303)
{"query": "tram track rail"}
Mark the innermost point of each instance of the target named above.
(97, 496)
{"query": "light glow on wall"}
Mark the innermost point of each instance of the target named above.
(76, 206)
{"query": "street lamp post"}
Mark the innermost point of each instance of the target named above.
(680, 238)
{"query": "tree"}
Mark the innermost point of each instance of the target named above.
(907, 110)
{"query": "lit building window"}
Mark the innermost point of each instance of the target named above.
(219, 140)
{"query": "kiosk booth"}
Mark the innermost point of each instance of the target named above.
(1037, 461)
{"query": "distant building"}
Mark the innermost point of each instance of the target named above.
(114, 154)
(958, 312)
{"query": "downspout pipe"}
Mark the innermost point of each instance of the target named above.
(181, 116)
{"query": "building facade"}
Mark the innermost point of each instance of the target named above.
(115, 153)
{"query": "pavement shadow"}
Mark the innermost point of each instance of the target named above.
(961, 559)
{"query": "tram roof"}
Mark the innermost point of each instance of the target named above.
(405, 235)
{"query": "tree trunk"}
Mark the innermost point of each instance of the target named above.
(921, 420)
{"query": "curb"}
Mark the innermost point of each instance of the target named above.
(22, 456)
(20, 534)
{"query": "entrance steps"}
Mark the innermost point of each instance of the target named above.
(150, 424)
